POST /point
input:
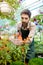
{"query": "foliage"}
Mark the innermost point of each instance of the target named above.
(14, 4)
(38, 17)
(8, 16)
(41, 23)
(10, 52)
(36, 61)
(17, 63)
(38, 42)
(13, 22)
(39, 47)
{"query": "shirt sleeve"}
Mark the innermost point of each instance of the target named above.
(32, 31)
(19, 26)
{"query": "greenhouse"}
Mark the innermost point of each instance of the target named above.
(21, 32)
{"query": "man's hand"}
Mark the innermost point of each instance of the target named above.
(27, 40)
(15, 41)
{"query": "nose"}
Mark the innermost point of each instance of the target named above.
(24, 20)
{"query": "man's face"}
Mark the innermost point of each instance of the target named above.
(24, 19)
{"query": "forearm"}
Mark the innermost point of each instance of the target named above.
(32, 33)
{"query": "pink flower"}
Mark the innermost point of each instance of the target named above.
(0, 26)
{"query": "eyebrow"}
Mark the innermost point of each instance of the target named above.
(24, 17)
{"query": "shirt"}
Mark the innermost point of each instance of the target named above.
(31, 26)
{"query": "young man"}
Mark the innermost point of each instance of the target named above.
(27, 29)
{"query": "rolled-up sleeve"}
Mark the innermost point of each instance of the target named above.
(32, 31)
(19, 26)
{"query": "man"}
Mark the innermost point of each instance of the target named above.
(35, 21)
(27, 30)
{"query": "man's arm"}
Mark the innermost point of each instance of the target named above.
(19, 26)
(16, 41)
(32, 32)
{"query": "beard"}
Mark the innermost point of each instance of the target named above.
(24, 24)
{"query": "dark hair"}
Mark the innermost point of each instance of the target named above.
(34, 19)
(26, 11)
